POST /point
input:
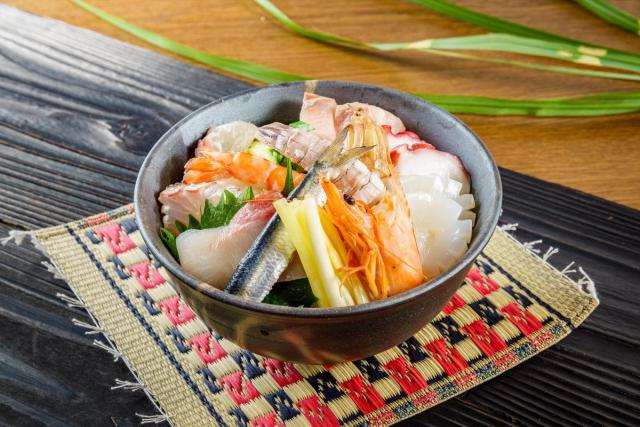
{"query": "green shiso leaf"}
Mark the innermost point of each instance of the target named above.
(169, 240)
(220, 214)
(295, 293)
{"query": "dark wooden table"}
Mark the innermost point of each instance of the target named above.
(78, 112)
(560, 150)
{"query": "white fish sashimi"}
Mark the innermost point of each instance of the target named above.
(229, 137)
(320, 112)
(211, 255)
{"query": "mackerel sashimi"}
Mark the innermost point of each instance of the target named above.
(343, 207)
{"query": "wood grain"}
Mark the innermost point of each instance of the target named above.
(79, 110)
(598, 155)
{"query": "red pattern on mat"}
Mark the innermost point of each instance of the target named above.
(521, 318)
(484, 337)
(358, 394)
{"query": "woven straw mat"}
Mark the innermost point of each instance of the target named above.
(512, 306)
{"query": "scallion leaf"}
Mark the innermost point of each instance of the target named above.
(492, 42)
(604, 104)
(612, 14)
(499, 25)
(579, 106)
(246, 69)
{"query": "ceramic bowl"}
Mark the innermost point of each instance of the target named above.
(317, 335)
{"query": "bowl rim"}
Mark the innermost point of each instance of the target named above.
(174, 268)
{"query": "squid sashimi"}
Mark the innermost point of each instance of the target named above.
(437, 188)
(212, 254)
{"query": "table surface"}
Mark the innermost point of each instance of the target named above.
(595, 155)
(78, 112)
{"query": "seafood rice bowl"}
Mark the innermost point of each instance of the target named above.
(344, 206)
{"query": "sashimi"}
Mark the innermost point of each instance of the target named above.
(211, 255)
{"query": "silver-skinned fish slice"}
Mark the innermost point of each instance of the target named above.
(272, 250)
(304, 148)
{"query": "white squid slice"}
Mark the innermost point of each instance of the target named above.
(466, 201)
(431, 184)
(442, 237)
(428, 161)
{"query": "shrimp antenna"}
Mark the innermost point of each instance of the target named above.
(333, 152)
(351, 154)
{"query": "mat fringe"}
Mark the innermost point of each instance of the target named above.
(583, 283)
(128, 385)
(18, 236)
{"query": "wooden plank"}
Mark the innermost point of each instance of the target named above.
(79, 111)
(554, 149)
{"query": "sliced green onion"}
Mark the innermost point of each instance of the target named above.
(612, 14)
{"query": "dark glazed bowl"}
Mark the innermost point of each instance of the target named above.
(317, 335)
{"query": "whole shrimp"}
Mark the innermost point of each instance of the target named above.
(392, 218)
(245, 167)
